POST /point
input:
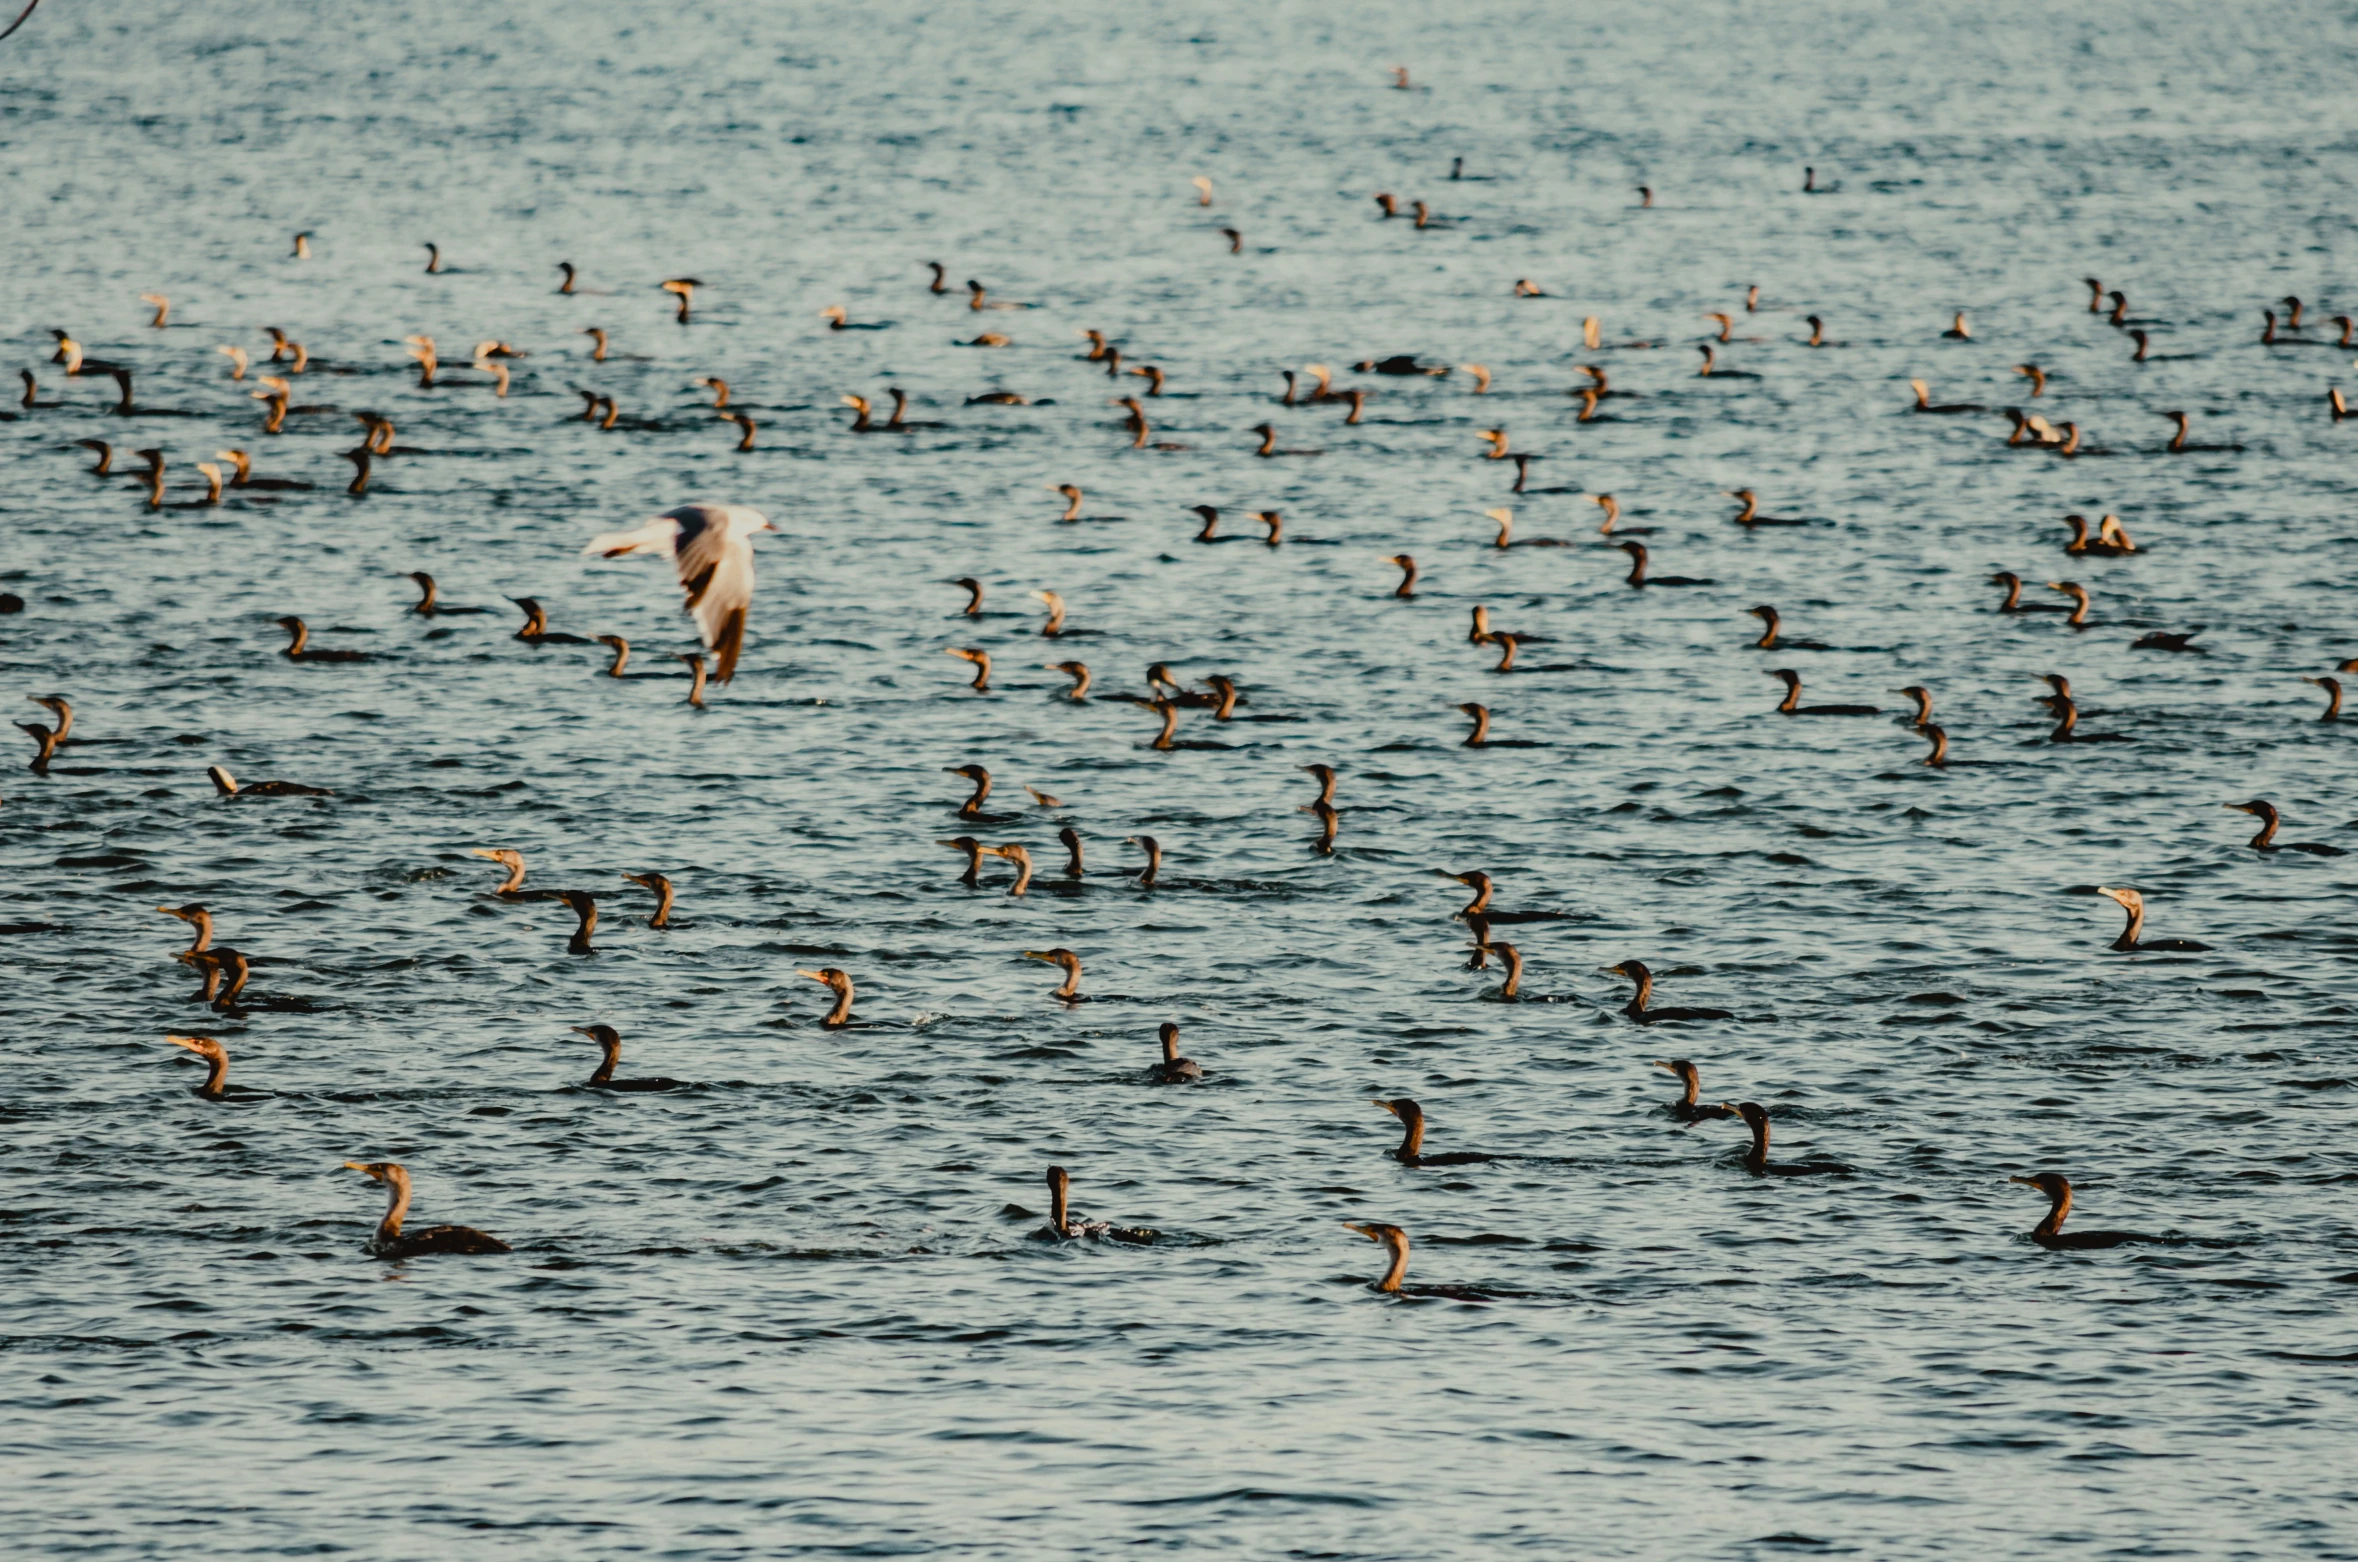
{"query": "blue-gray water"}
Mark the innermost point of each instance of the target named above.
(788, 1312)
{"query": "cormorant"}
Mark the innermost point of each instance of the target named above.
(1411, 1148)
(1637, 1008)
(609, 1038)
(1756, 1159)
(391, 1242)
(2049, 1233)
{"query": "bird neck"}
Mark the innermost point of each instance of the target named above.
(515, 879)
(1757, 1156)
(589, 925)
(1170, 1046)
(301, 633)
(1480, 902)
(203, 922)
(843, 1005)
(607, 1065)
(1693, 1083)
(1636, 1007)
(218, 1078)
(2134, 931)
(1398, 1246)
(2056, 1211)
(1072, 979)
(2268, 823)
(1412, 1139)
(396, 1207)
(1792, 699)
(1059, 1207)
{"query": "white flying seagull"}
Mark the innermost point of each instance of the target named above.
(712, 547)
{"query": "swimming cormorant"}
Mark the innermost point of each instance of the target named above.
(1066, 1226)
(1756, 1159)
(2132, 939)
(1070, 991)
(391, 1242)
(1637, 1008)
(1687, 1108)
(226, 785)
(1791, 705)
(1174, 1069)
(298, 645)
(660, 887)
(609, 1038)
(2049, 1233)
(2265, 841)
(216, 1085)
(841, 985)
(1638, 578)
(1411, 1148)
(513, 861)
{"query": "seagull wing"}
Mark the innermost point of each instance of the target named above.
(715, 564)
(716, 569)
(659, 536)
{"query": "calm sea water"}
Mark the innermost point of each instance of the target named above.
(795, 1309)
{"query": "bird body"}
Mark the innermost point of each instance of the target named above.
(712, 547)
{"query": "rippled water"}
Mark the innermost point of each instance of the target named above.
(794, 1309)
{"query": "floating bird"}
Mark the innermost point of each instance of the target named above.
(1756, 1159)
(2265, 841)
(1064, 1225)
(841, 986)
(661, 888)
(1174, 1069)
(2049, 1233)
(391, 1242)
(1637, 1008)
(226, 784)
(610, 1039)
(1411, 1148)
(1687, 1108)
(1070, 991)
(2132, 939)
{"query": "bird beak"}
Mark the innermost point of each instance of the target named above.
(483, 851)
(358, 1166)
(813, 975)
(1387, 1106)
(190, 1042)
(168, 911)
(583, 1030)
(1660, 1064)
(1352, 1225)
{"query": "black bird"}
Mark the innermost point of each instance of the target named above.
(1791, 705)
(2266, 841)
(1174, 1069)
(1687, 1109)
(1637, 570)
(1636, 1008)
(1411, 1149)
(391, 1242)
(1756, 1159)
(2049, 1233)
(609, 1038)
